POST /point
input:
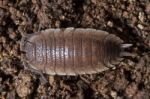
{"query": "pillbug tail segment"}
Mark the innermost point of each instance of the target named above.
(123, 52)
(126, 45)
(112, 49)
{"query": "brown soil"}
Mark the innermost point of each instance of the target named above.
(129, 19)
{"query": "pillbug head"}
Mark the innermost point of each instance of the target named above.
(27, 48)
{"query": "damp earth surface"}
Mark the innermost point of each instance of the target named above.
(128, 19)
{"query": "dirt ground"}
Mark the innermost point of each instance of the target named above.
(129, 19)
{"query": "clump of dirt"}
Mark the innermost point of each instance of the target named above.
(24, 85)
(129, 19)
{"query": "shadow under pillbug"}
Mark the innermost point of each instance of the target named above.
(72, 51)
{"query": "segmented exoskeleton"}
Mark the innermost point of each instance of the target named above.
(72, 51)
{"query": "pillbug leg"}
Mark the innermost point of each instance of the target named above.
(23, 34)
(110, 66)
(28, 67)
(119, 59)
(39, 28)
(43, 80)
(25, 65)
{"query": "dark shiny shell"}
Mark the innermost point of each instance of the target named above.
(71, 51)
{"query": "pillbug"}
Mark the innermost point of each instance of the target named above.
(72, 51)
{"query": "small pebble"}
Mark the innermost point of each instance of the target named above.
(141, 16)
(13, 35)
(114, 94)
(140, 26)
(125, 14)
(109, 23)
(24, 85)
(131, 90)
(3, 39)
